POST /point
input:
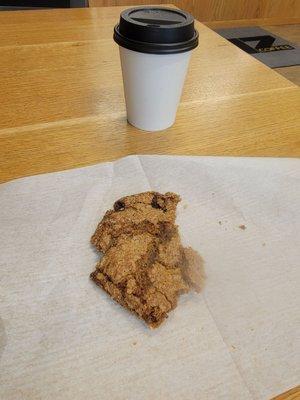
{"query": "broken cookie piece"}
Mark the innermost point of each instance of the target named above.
(144, 266)
(145, 212)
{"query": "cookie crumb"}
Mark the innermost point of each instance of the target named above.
(220, 222)
(242, 227)
(134, 343)
(233, 347)
(194, 269)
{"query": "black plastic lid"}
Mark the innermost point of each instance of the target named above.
(156, 30)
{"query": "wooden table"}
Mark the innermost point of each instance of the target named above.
(62, 101)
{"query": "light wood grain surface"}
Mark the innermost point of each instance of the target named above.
(293, 394)
(237, 23)
(213, 10)
(62, 101)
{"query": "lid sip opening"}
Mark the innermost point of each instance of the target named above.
(156, 30)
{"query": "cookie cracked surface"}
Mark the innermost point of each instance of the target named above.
(144, 266)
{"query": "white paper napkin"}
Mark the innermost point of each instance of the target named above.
(62, 337)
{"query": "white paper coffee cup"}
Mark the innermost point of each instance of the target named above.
(155, 49)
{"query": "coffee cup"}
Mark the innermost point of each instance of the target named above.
(155, 45)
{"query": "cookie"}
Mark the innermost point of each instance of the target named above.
(144, 266)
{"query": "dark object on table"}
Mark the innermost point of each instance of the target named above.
(266, 47)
